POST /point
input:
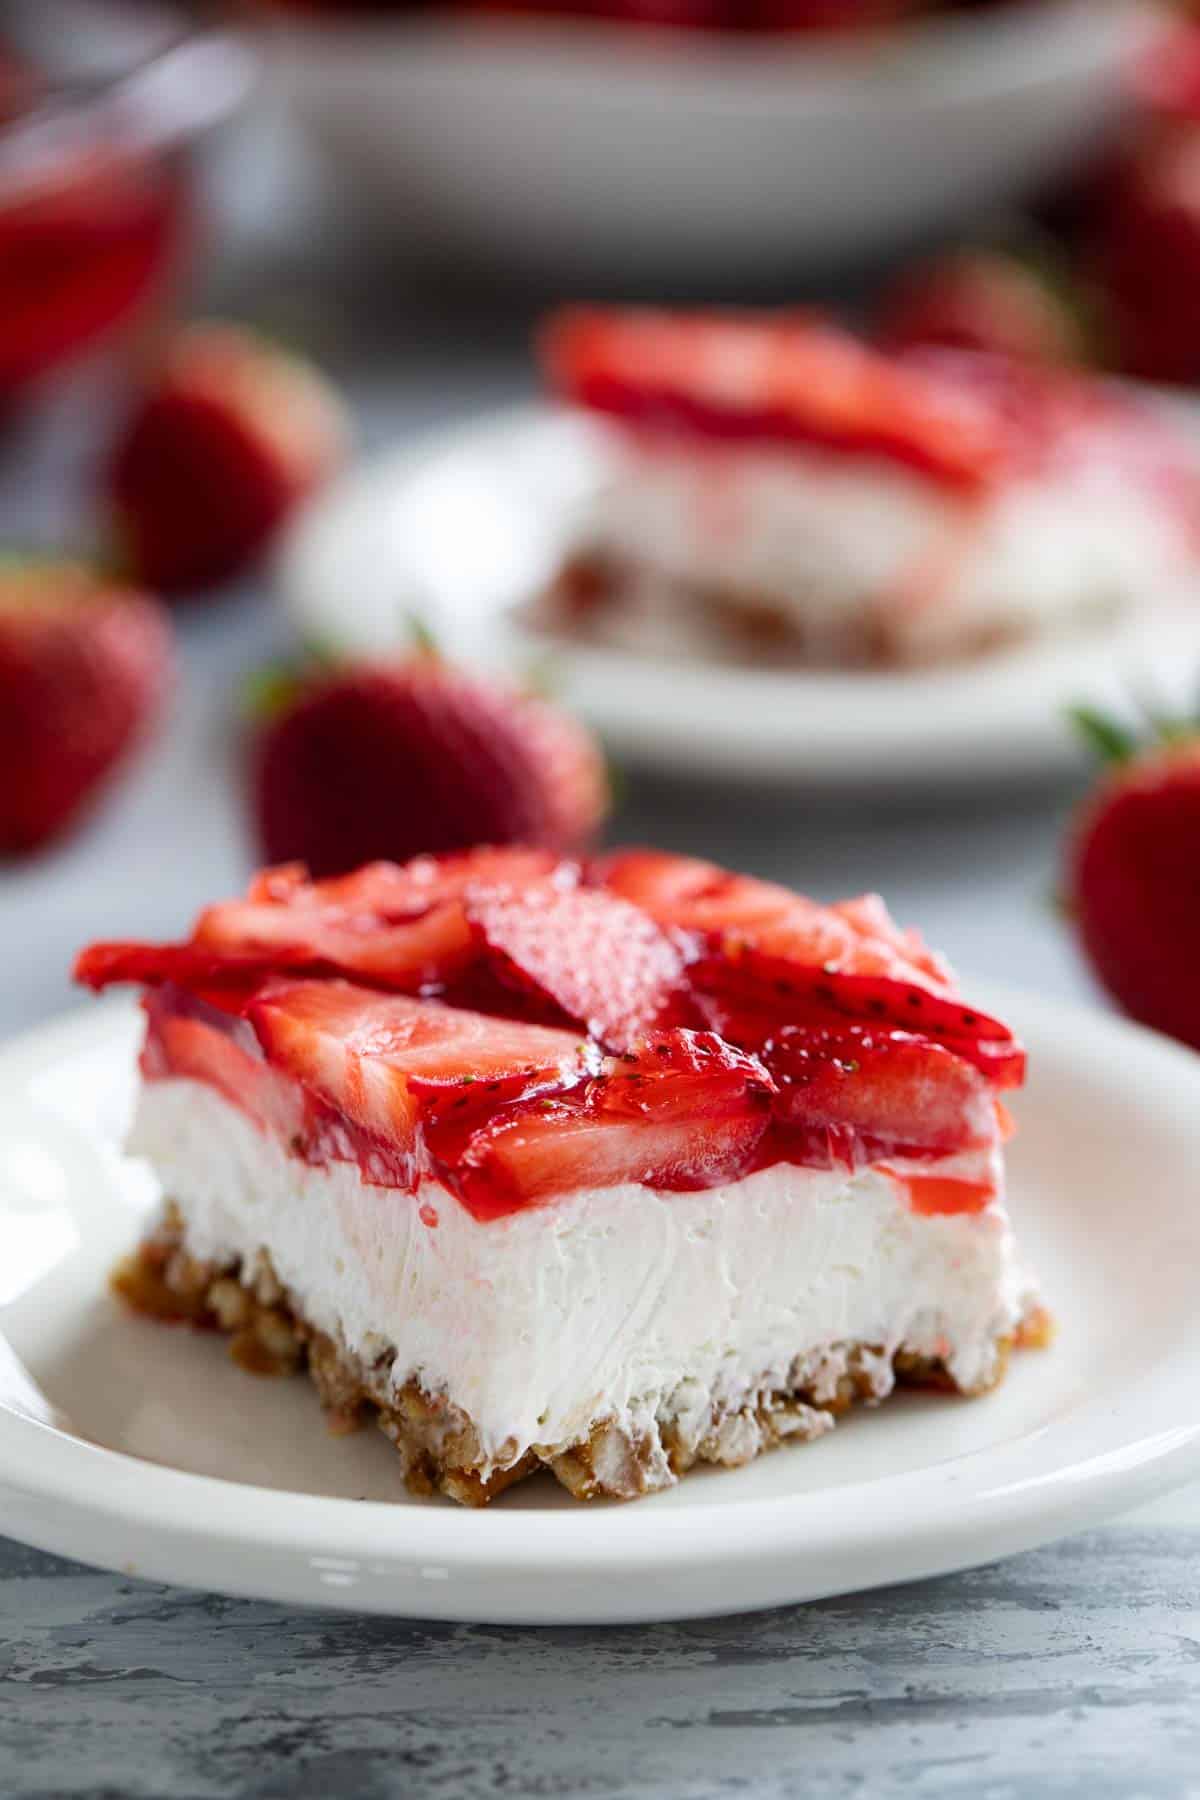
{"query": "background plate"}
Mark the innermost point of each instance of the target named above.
(144, 1449)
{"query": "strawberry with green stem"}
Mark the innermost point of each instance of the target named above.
(1133, 870)
(392, 758)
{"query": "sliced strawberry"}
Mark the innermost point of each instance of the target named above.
(698, 896)
(397, 890)
(189, 1039)
(851, 1095)
(766, 957)
(869, 917)
(379, 1058)
(749, 997)
(686, 1112)
(600, 960)
(412, 954)
(396, 925)
(782, 377)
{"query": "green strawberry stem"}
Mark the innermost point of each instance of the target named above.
(1109, 740)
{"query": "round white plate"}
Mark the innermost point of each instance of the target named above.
(464, 527)
(601, 155)
(143, 1448)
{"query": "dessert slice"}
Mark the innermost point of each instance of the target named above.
(610, 1170)
(778, 487)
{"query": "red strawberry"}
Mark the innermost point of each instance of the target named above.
(1148, 260)
(698, 896)
(766, 957)
(1133, 876)
(599, 960)
(230, 433)
(184, 1037)
(749, 997)
(985, 300)
(84, 668)
(390, 759)
(686, 1112)
(1167, 79)
(382, 1058)
(778, 377)
(854, 1094)
(397, 926)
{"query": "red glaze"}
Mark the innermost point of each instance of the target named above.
(810, 1064)
(932, 1194)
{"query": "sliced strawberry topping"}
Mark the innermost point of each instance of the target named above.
(378, 1058)
(185, 1037)
(865, 1050)
(855, 1094)
(397, 925)
(687, 1111)
(738, 910)
(748, 997)
(765, 957)
(389, 890)
(600, 960)
(783, 377)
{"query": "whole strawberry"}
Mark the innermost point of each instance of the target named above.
(386, 760)
(228, 436)
(84, 667)
(1133, 876)
(987, 300)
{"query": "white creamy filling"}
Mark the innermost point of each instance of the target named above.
(621, 1303)
(840, 543)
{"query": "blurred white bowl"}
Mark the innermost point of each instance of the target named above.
(599, 154)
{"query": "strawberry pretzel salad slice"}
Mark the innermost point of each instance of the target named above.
(777, 489)
(605, 1168)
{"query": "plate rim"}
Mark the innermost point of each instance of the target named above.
(79, 1499)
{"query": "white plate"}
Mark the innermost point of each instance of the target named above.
(465, 526)
(600, 155)
(168, 1462)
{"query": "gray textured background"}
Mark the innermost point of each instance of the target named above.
(1071, 1671)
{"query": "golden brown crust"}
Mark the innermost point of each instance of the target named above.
(439, 1447)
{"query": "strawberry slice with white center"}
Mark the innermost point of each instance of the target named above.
(853, 1095)
(781, 377)
(381, 1059)
(764, 957)
(686, 1111)
(595, 957)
